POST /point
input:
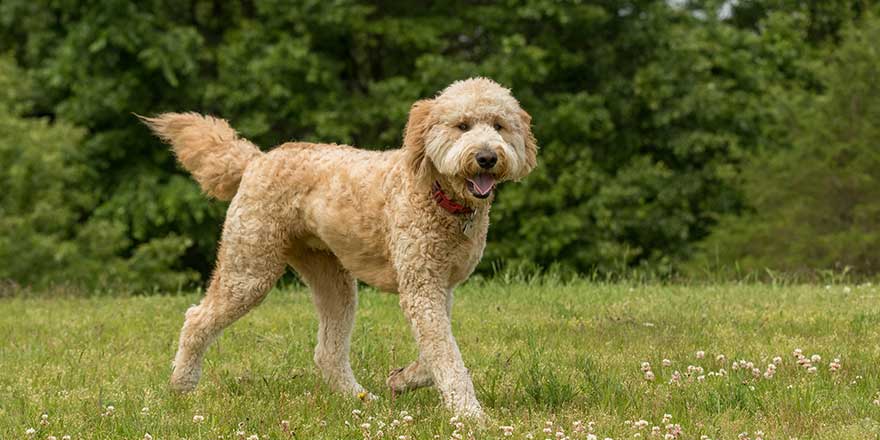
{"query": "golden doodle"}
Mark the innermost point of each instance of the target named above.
(411, 221)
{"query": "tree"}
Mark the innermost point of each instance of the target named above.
(817, 205)
(644, 111)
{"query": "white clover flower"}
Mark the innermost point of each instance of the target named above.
(407, 418)
(30, 432)
(796, 353)
(147, 436)
(51, 437)
(816, 358)
(720, 358)
(507, 430)
(198, 418)
(145, 410)
(666, 363)
(777, 360)
(646, 366)
(812, 370)
(65, 437)
(700, 354)
(365, 425)
(649, 376)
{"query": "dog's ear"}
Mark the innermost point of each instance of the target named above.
(416, 130)
(530, 143)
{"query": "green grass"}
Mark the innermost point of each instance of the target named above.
(537, 353)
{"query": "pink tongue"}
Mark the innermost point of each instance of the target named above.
(483, 183)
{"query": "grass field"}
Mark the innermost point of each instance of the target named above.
(563, 357)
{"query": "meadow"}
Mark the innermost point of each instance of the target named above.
(576, 360)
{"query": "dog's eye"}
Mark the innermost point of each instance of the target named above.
(498, 127)
(464, 126)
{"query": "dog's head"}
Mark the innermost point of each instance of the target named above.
(474, 135)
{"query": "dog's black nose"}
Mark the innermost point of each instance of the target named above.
(487, 159)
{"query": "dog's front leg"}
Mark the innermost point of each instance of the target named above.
(424, 305)
(417, 374)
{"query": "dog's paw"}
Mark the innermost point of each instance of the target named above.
(184, 381)
(474, 415)
(404, 379)
(182, 386)
(366, 396)
(397, 381)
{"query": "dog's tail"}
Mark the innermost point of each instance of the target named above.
(208, 148)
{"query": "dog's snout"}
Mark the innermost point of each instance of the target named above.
(486, 159)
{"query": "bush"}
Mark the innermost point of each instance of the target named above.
(644, 110)
(816, 205)
(48, 236)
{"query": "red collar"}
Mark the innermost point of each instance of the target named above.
(448, 204)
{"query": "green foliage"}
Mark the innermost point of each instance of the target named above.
(817, 205)
(644, 110)
(47, 237)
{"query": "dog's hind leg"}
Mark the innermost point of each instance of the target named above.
(334, 292)
(250, 260)
(417, 374)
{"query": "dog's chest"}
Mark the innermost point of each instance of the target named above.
(464, 264)
(466, 253)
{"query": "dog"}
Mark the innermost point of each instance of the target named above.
(411, 221)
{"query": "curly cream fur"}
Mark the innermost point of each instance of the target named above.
(208, 148)
(337, 214)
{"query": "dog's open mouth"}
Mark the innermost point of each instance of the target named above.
(481, 185)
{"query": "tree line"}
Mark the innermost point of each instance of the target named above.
(677, 138)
